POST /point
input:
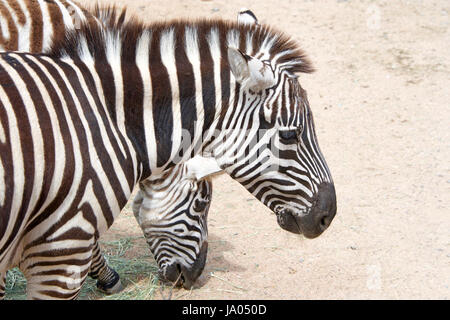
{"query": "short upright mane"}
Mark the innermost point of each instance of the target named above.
(115, 25)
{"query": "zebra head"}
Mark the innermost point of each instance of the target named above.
(266, 138)
(172, 211)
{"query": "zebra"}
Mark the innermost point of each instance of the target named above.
(32, 26)
(119, 101)
(185, 228)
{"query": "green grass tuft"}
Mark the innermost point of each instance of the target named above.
(15, 285)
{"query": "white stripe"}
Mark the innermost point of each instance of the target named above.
(266, 46)
(233, 37)
(213, 40)
(167, 49)
(61, 244)
(67, 18)
(249, 43)
(193, 54)
(47, 26)
(4, 27)
(2, 134)
(4, 20)
(142, 62)
(113, 53)
(25, 30)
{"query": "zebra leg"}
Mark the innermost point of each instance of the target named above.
(108, 280)
(2, 285)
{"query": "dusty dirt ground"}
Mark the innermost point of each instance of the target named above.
(381, 102)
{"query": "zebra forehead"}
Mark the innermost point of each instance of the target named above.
(261, 41)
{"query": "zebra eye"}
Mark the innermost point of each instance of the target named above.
(289, 136)
(199, 205)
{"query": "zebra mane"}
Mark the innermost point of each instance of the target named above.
(119, 28)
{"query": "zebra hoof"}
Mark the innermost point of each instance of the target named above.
(111, 287)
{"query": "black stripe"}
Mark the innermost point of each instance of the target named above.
(162, 103)
(207, 74)
(187, 89)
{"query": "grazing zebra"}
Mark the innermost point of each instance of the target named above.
(116, 104)
(177, 240)
(32, 26)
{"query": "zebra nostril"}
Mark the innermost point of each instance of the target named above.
(323, 222)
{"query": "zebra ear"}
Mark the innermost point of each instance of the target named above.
(250, 72)
(246, 16)
(239, 64)
(200, 167)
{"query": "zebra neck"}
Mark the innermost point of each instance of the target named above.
(169, 93)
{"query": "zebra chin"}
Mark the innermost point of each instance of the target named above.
(182, 276)
(316, 219)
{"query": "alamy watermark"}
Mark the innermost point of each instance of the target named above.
(235, 147)
(74, 277)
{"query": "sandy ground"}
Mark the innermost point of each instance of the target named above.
(381, 102)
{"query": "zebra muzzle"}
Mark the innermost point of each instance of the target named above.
(316, 219)
(288, 221)
(182, 276)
